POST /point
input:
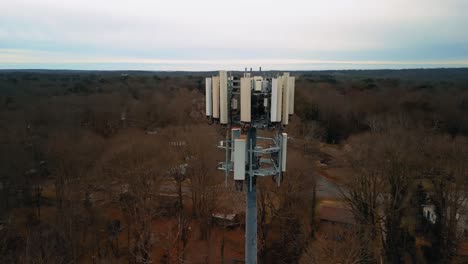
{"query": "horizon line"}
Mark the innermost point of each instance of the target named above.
(215, 70)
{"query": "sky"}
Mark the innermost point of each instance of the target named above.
(217, 34)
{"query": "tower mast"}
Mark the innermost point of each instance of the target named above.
(244, 104)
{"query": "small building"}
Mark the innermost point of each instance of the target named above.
(429, 213)
(462, 217)
(225, 220)
(152, 132)
(336, 216)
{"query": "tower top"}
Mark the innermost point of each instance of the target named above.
(260, 101)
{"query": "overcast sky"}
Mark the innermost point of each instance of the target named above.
(216, 34)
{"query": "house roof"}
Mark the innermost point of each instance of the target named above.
(229, 217)
(336, 214)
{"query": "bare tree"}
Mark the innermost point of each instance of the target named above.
(401, 165)
(287, 209)
(205, 189)
(448, 174)
(140, 169)
(336, 245)
(192, 150)
(385, 167)
(267, 212)
(73, 160)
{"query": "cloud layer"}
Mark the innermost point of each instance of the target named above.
(202, 34)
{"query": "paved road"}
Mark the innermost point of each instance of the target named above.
(327, 189)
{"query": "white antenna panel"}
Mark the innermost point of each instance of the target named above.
(235, 134)
(280, 98)
(258, 83)
(275, 86)
(234, 103)
(285, 118)
(284, 144)
(291, 87)
(215, 85)
(245, 87)
(223, 97)
(239, 158)
(208, 97)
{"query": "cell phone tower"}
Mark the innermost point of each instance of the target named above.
(243, 104)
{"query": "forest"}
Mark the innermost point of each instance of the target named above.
(120, 167)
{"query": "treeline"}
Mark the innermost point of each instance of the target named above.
(99, 102)
(335, 108)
